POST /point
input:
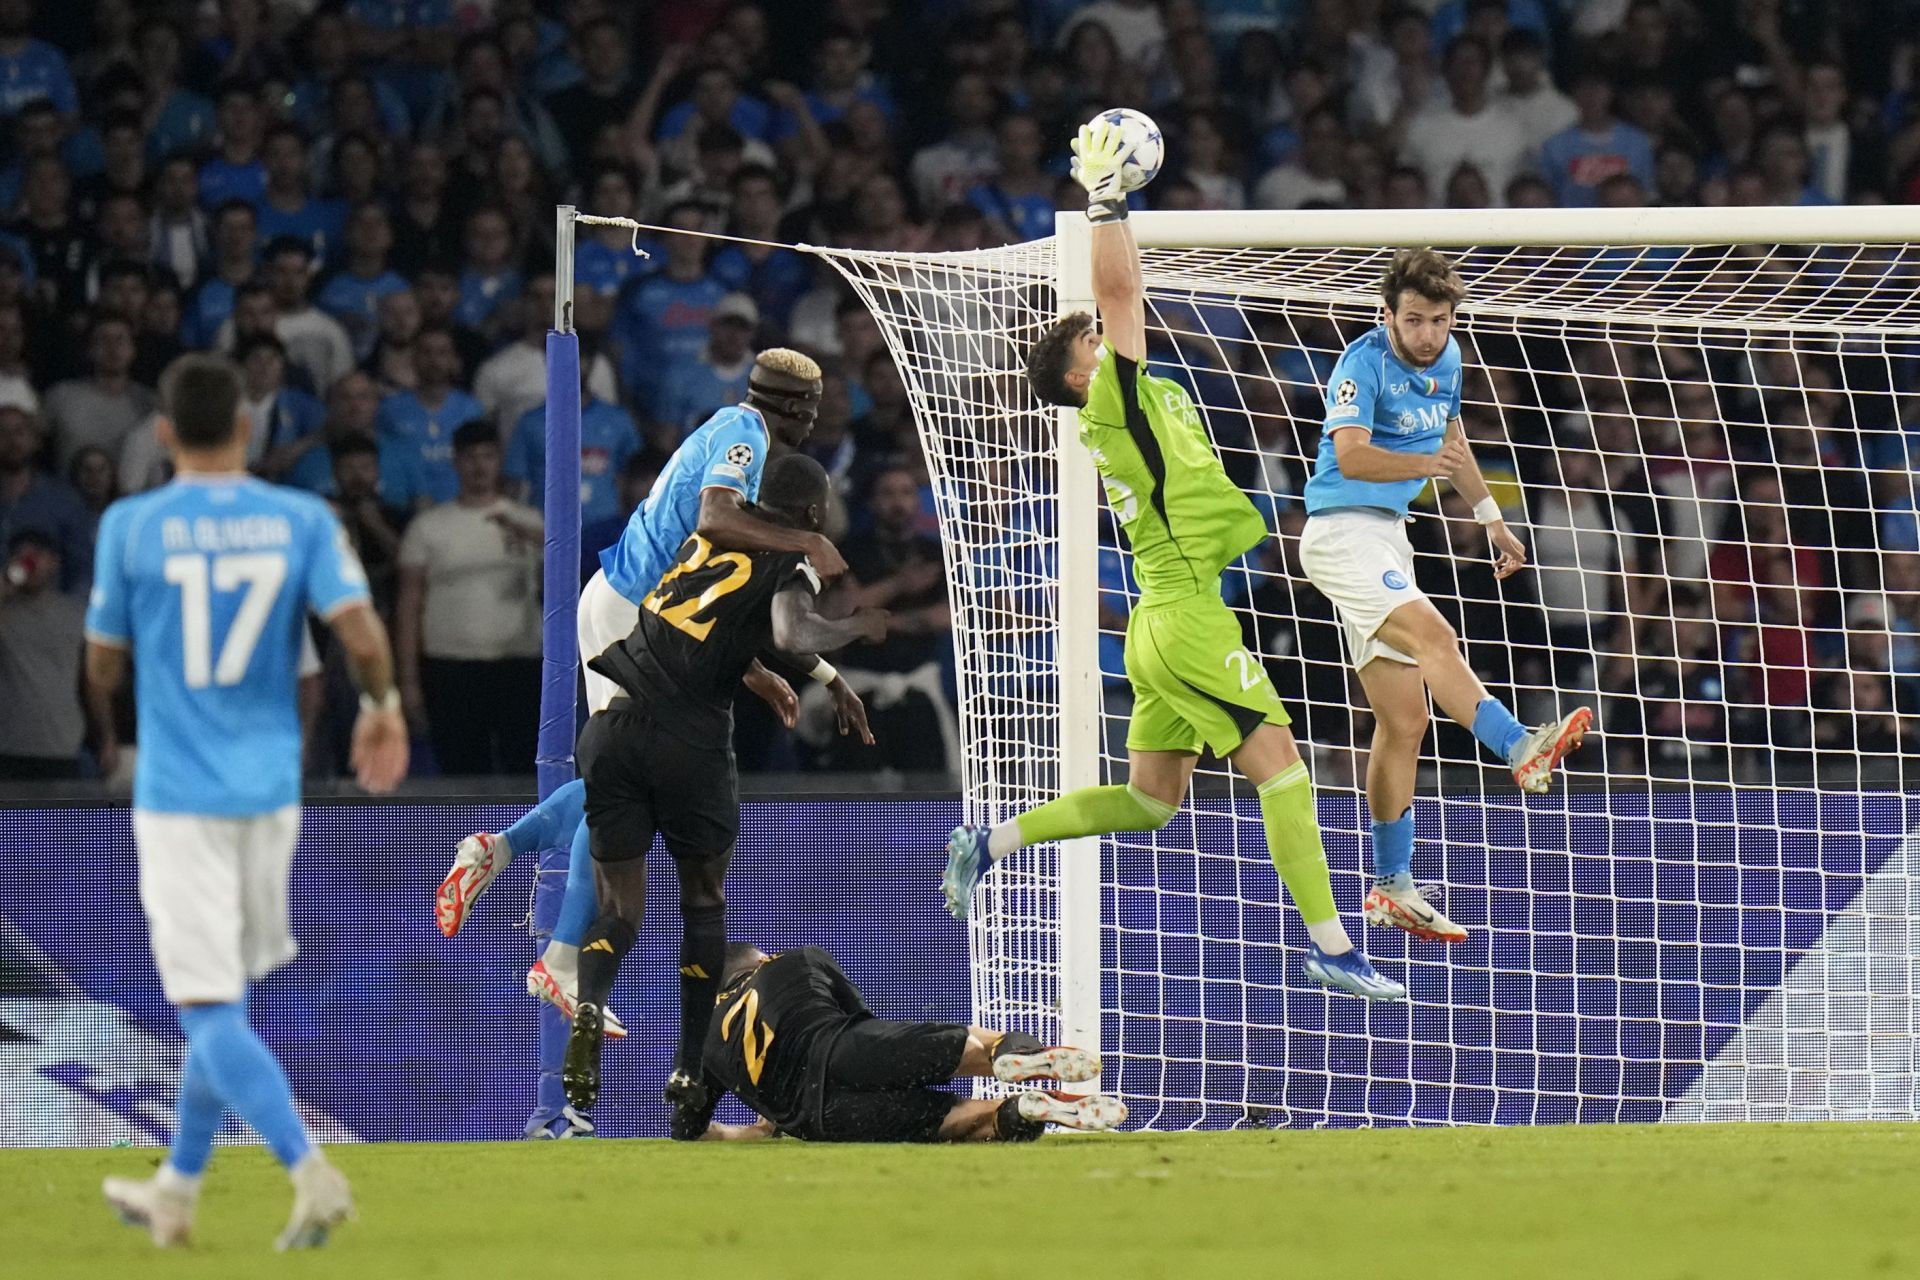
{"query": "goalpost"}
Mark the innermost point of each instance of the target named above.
(1712, 916)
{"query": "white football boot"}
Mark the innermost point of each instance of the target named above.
(165, 1212)
(1089, 1113)
(1544, 748)
(1408, 909)
(543, 985)
(321, 1201)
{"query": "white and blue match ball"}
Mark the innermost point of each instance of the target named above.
(1149, 147)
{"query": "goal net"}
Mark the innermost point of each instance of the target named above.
(1705, 447)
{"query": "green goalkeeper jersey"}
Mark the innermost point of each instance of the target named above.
(1185, 520)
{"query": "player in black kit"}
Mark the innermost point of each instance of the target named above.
(659, 759)
(792, 1038)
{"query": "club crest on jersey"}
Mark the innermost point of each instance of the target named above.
(1394, 580)
(741, 455)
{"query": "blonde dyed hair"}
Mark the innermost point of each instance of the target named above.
(786, 360)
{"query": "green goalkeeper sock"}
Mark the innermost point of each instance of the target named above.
(1090, 811)
(1293, 841)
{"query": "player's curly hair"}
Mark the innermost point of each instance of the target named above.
(1050, 358)
(1429, 274)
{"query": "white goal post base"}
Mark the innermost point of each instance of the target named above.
(1695, 419)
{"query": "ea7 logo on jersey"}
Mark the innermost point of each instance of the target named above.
(1346, 392)
(741, 455)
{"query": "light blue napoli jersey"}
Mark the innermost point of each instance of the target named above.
(1406, 409)
(727, 451)
(209, 581)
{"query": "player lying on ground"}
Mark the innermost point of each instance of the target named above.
(705, 488)
(792, 1038)
(659, 759)
(1393, 423)
(207, 582)
(1194, 684)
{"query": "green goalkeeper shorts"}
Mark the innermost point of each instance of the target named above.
(1194, 682)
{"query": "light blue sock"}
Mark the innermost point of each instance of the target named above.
(1496, 728)
(1393, 851)
(197, 1116)
(246, 1076)
(549, 824)
(582, 904)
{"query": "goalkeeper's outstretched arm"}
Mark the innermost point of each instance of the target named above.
(1100, 152)
(1117, 290)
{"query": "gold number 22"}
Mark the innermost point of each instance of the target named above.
(684, 614)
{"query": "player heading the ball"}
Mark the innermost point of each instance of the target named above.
(1392, 424)
(1195, 686)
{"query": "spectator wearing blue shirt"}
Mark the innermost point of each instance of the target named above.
(352, 413)
(286, 422)
(31, 69)
(716, 100)
(236, 255)
(235, 171)
(662, 319)
(408, 40)
(1019, 195)
(841, 78)
(352, 295)
(773, 277)
(1578, 159)
(488, 277)
(417, 426)
(185, 119)
(326, 48)
(694, 389)
(288, 206)
(603, 258)
(608, 437)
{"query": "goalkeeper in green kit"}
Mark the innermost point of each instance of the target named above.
(1194, 684)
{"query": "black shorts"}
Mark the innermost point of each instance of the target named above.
(642, 781)
(877, 1075)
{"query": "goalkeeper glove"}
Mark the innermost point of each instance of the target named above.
(1099, 155)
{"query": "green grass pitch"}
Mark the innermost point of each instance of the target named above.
(1811, 1202)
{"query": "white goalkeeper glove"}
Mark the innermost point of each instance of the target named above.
(1100, 154)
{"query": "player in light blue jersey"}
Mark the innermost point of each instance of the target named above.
(208, 582)
(707, 488)
(1393, 424)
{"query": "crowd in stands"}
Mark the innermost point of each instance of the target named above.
(354, 199)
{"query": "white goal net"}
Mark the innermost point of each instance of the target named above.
(1706, 448)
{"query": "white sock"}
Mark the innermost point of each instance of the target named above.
(1330, 936)
(563, 962)
(1003, 840)
(174, 1182)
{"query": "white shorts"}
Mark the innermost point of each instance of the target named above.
(1363, 563)
(215, 894)
(604, 618)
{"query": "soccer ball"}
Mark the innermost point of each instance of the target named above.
(1149, 148)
